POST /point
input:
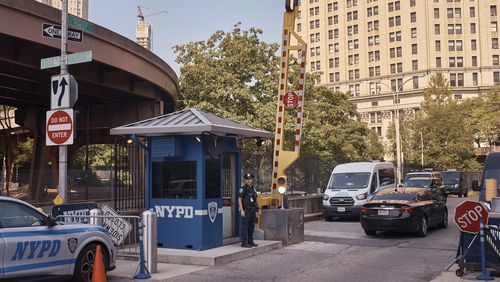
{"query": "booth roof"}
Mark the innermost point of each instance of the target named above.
(189, 121)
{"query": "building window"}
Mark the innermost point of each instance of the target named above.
(495, 60)
(436, 13)
(413, 17)
(494, 26)
(493, 10)
(414, 32)
(496, 78)
(460, 62)
(415, 82)
(472, 12)
(414, 49)
(299, 27)
(474, 79)
(474, 61)
(473, 45)
(437, 29)
(473, 28)
(438, 62)
(331, 77)
(449, 13)
(457, 96)
(413, 3)
(456, 79)
(414, 65)
(437, 43)
(451, 45)
(494, 43)
(451, 61)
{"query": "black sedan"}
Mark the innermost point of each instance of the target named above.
(404, 209)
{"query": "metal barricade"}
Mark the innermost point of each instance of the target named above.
(126, 233)
(492, 237)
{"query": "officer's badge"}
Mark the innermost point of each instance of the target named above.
(212, 211)
(72, 244)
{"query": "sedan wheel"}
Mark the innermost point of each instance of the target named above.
(370, 232)
(422, 231)
(444, 223)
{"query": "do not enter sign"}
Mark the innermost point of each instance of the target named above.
(59, 127)
(467, 216)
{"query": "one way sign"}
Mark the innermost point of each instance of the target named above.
(54, 31)
(64, 91)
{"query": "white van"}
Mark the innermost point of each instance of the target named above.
(351, 185)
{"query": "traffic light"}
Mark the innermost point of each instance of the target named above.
(282, 185)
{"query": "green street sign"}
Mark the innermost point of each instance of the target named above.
(75, 58)
(78, 23)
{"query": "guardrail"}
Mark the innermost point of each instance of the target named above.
(126, 232)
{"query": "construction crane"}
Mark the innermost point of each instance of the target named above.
(143, 31)
(287, 100)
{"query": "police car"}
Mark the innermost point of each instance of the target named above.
(34, 246)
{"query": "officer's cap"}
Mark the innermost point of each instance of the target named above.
(248, 176)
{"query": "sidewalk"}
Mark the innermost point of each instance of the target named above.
(174, 262)
(450, 276)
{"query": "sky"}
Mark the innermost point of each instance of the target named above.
(188, 20)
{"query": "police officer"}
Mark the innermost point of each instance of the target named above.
(247, 201)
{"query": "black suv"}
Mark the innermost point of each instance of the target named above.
(454, 183)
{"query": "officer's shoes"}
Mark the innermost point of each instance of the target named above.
(245, 246)
(253, 244)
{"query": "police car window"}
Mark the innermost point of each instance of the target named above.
(18, 215)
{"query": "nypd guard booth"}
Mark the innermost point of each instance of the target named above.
(192, 175)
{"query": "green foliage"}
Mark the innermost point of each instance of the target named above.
(235, 75)
(483, 117)
(24, 152)
(448, 141)
(100, 155)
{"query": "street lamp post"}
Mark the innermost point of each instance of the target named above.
(395, 95)
(422, 148)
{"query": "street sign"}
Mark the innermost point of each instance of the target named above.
(54, 31)
(75, 58)
(118, 228)
(78, 210)
(290, 100)
(64, 91)
(78, 23)
(467, 216)
(60, 127)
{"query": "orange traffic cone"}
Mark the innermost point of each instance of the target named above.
(99, 273)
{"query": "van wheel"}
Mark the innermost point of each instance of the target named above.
(85, 263)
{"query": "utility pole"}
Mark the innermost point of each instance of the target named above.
(63, 149)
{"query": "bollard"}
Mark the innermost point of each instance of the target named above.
(143, 274)
(150, 240)
(484, 274)
(95, 220)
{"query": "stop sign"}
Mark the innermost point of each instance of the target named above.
(291, 99)
(467, 216)
(59, 127)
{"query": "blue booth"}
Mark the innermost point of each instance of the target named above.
(193, 175)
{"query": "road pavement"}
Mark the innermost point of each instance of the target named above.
(340, 251)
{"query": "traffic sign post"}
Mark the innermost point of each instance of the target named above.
(60, 127)
(468, 215)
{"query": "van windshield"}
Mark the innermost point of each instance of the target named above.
(357, 180)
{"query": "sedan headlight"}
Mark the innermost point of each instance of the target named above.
(362, 196)
(326, 197)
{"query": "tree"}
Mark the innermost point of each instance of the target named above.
(235, 75)
(448, 142)
(483, 117)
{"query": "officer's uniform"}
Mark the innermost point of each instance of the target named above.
(248, 197)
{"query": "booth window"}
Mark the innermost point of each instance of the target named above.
(212, 177)
(174, 179)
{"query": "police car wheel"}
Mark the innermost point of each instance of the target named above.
(85, 263)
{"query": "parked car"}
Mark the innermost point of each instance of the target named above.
(426, 179)
(404, 209)
(351, 184)
(34, 246)
(454, 182)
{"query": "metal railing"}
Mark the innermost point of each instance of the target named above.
(126, 232)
